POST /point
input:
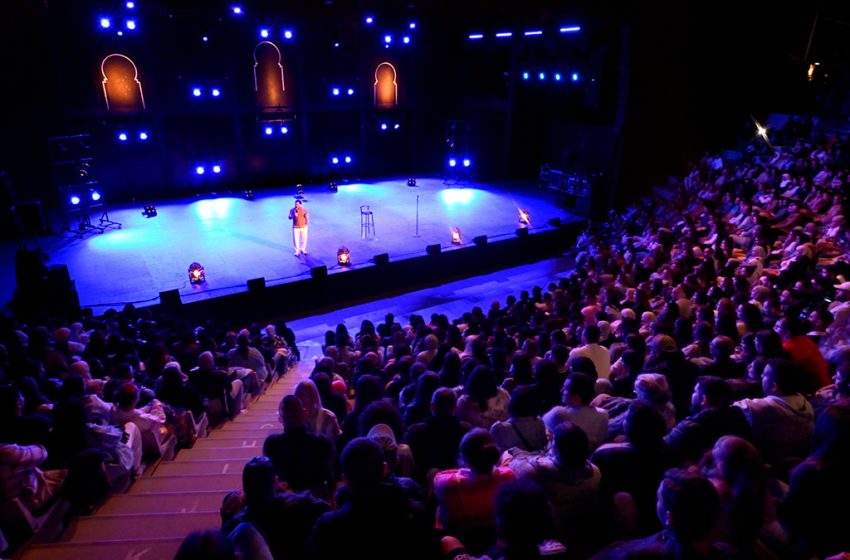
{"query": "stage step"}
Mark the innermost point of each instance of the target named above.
(251, 433)
(223, 466)
(246, 425)
(139, 549)
(196, 454)
(140, 526)
(187, 483)
(163, 502)
(221, 442)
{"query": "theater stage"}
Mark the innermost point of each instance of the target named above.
(237, 239)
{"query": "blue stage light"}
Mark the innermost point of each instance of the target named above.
(130, 5)
(105, 23)
(574, 77)
(75, 200)
(571, 29)
(383, 126)
(336, 45)
(196, 92)
(476, 36)
(200, 170)
(216, 92)
(143, 136)
(452, 162)
(405, 40)
(504, 34)
(388, 39)
(216, 169)
(268, 131)
(287, 34)
(122, 136)
(205, 38)
(467, 162)
(95, 196)
(264, 33)
(237, 10)
(335, 160)
(131, 24)
(533, 33)
(350, 91)
(335, 91)
(369, 20)
(557, 77)
(541, 76)
(396, 126)
(120, 33)
(284, 130)
(525, 75)
(412, 25)
(347, 159)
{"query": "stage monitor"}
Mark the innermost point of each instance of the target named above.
(382, 259)
(433, 249)
(480, 240)
(522, 232)
(319, 272)
(170, 298)
(256, 285)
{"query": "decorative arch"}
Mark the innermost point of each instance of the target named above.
(122, 89)
(386, 86)
(268, 75)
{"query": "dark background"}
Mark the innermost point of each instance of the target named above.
(659, 83)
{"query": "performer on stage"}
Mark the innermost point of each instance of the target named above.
(298, 215)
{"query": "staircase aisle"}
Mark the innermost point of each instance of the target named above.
(150, 521)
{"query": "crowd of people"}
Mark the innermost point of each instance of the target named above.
(684, 392)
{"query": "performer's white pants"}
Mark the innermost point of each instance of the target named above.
(299, 238)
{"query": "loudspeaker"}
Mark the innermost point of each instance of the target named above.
(381, 259)
(319, 272)
(522, 232)
(433, 249)
(170, 298)
(256, 285)
(481, 240)
(29, 268)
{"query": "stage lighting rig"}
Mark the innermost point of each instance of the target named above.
(149, 211)
(248, 194)
(411, 182)
(332, 186)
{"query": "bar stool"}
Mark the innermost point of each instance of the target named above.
(367, 222)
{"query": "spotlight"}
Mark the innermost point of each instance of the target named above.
(571, 29)
(388, 39)
(200, 170)
(248, 194)
(412, 25)
(149, 211)
(130, 5)
(264, 33)
(120, 33)
(332, 186)
(143, 136)
(105, 23)
(237, 10)
(383, 126)
(197, 275)
(284, 130)
(524, 217)
(467, 162)
(557, 77)
(343, 256)
(405, 40)
(541, 76)
(504, 35)
(574, 76)
(335, 160)
(347, 159)
(216, 169)
(476, 36)
(369, 20)
(411, 182)
(533, 33)
(287, 34)
(396, 126)
(268, 131)
(452, 162)
(95, 195)
(335, 91)
(525, 75)
(196, 92)
(336, 45)
(455, 236)
(216, 92)
(131, 24)
(75, 200)
(122, 136)
(350, 91)
(205, 39)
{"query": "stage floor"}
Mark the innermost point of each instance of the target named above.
(237, 239)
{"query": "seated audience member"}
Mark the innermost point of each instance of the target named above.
(838, 393)
(15, 426)
(599, 355)
(214, 384)
(816, 528)
(150, 419)
(372, 503)
(483, 402)
(804, 354)
(712, 416)
(300, 458)
(524, 525)
(783, 420)
(319, 420)
(283, 518)
(666, 359)
(466, 496)
(206, 545)
(577, 396)
(687, 510)
(722, 365)
(435, 441)
(524, 429)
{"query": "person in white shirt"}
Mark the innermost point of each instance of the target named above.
(599, 355)
(577, 393)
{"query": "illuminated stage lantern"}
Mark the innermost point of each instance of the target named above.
(524, 217)
(456, 236)
(197, 275)
(343, 256)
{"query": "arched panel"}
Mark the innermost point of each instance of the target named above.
(122, 89)
(268, 75)
(386, 86)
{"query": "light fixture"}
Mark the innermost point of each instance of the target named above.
(412, 25)
(405, 40)
(504, 34)
(335, 160)
(199, 170)
(411, 181)
(350, 91)
(105, 23)
(284, 130)
(149, 211)
(524, 217)
(571, 29)
(216, 168)
(332, 186)
(197, 275)
(533, 33)
(122, 136)
(476, 36)
(130, 5)
(557, 77)
(467, 162)
(237, 10)
(216, 92)
(143, 135)
(525, 75)
(574, 77)
(131, 24)
(287, 34)
(95, 195)
(74, 200)
(347, 159)
(335, 91)
(452, 162)
(383, 126)
(369, 20)
(388, 39)
(541, 76)
(196, 92)
(264, 33)
(343, 256)
(248, 194)
(268, 131)
(396, 126)
(205, 39)
(455, 236)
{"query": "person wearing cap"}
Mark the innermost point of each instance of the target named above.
(665, 358)
(385, 437)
